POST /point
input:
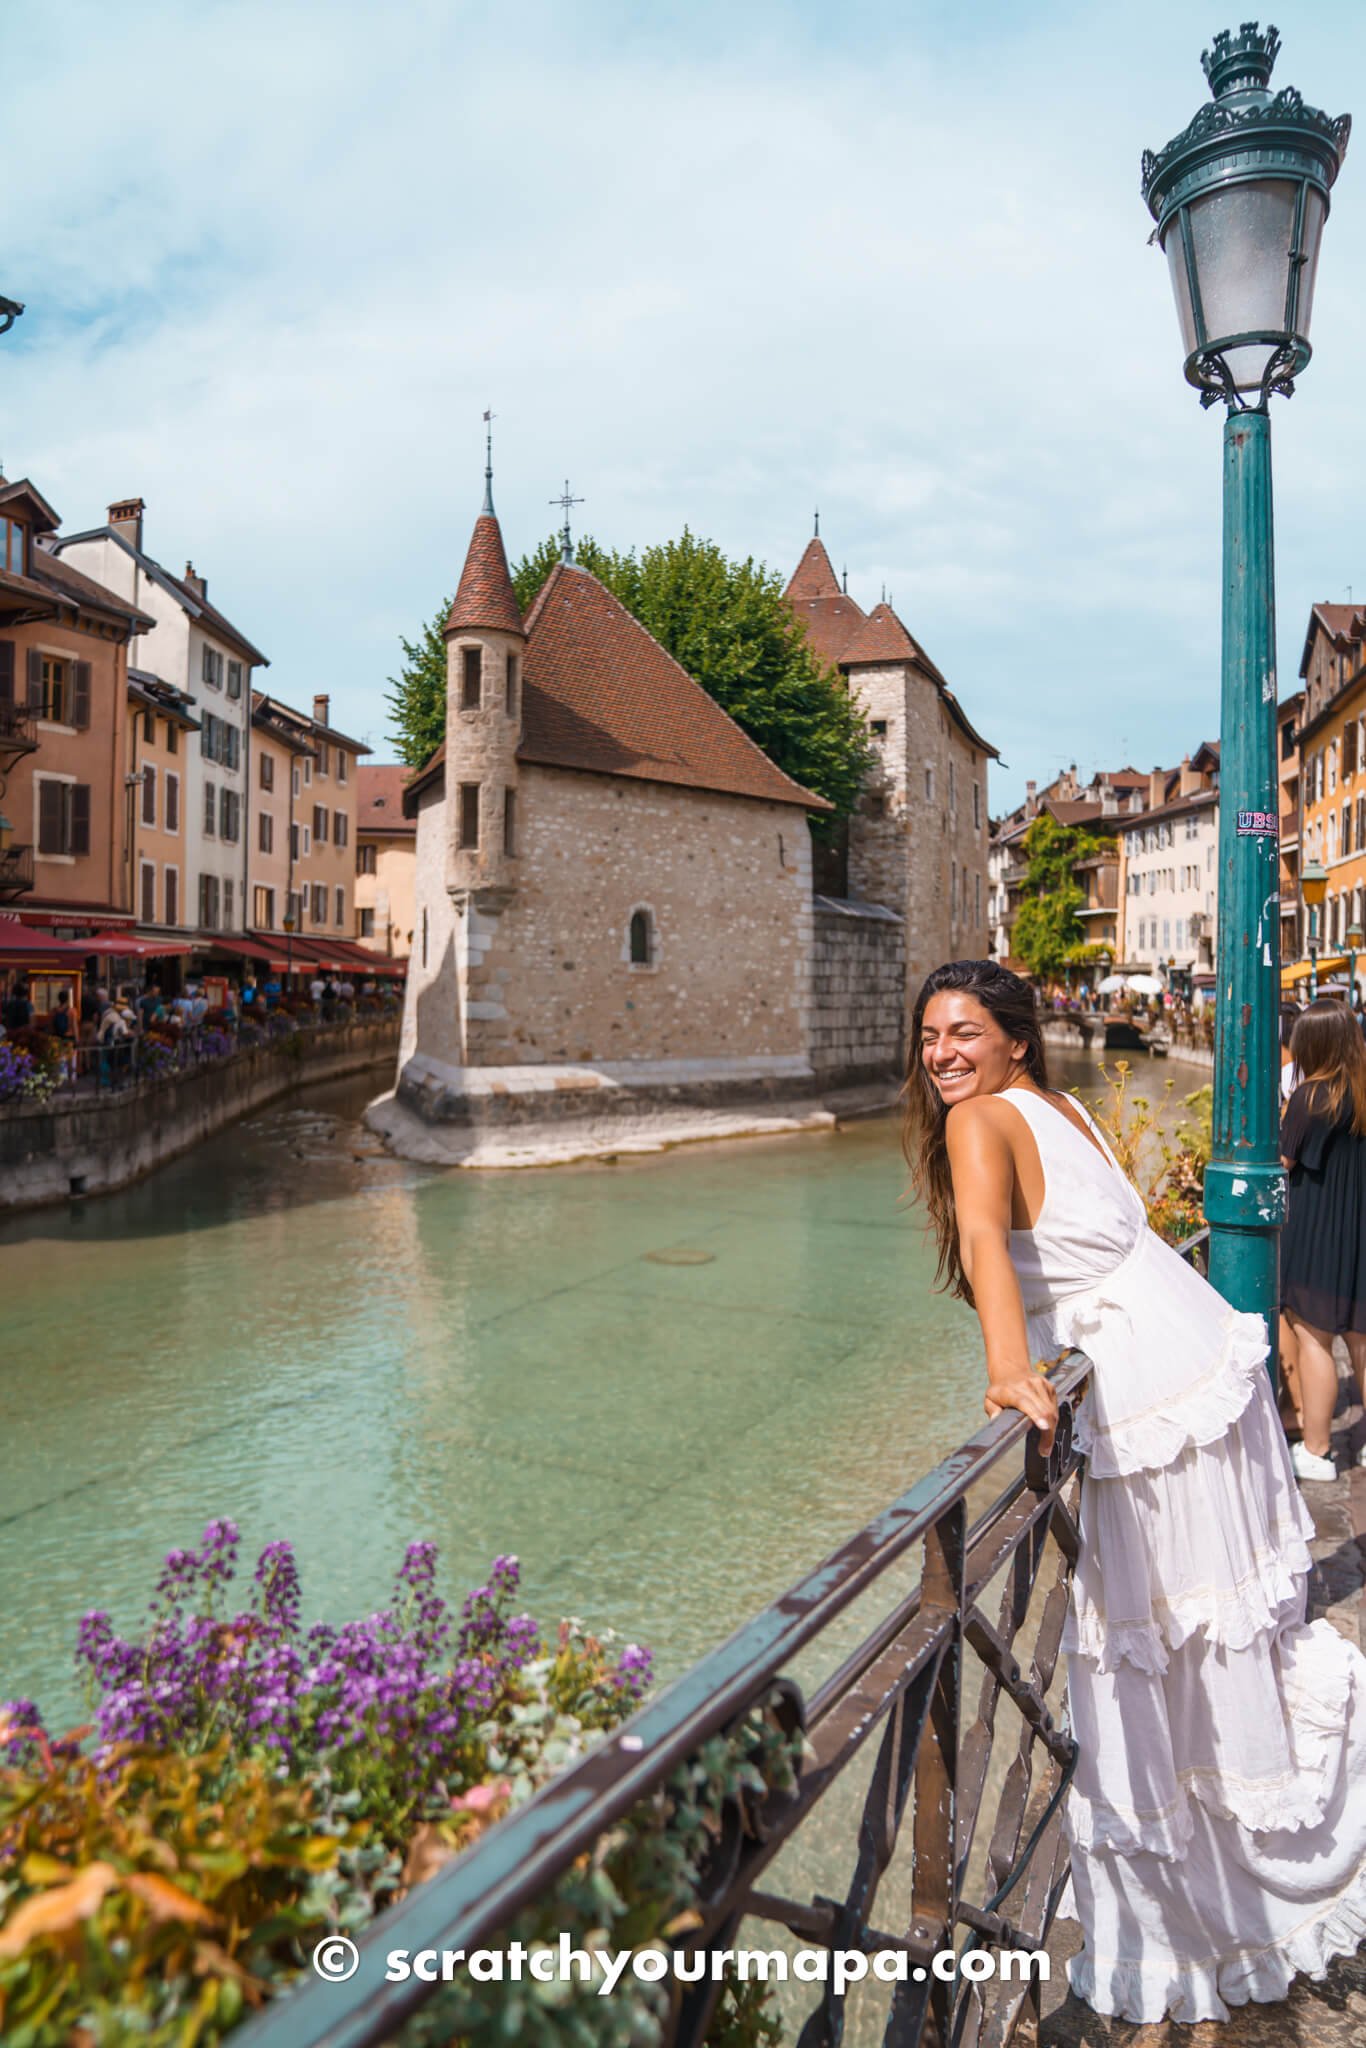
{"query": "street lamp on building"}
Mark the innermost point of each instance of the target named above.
(1240, 198)
(1313, 888)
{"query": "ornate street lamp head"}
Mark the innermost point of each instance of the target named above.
(1240, 198)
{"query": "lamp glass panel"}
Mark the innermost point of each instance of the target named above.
(1241, 235)
(1315, 213)
(1174, 248)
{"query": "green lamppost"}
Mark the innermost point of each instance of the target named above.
(1313, 888)
(1240, 198)
(1356, 939)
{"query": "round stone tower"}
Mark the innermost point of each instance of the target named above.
(485, 646)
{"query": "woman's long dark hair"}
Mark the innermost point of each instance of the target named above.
(1011, 1002)
(1330, 1056)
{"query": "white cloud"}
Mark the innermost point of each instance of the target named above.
(717, 268)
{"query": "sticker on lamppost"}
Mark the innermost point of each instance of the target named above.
(1258, 825)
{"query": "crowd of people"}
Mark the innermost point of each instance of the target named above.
(98, 1036)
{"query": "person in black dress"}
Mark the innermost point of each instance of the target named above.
(1323, 1245)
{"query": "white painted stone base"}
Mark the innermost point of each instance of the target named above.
(557, 1143)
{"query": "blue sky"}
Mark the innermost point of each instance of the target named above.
(717, 266)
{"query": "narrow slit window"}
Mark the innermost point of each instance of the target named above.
(512, 686)
(640, 938)
(510, 822)
(471, 678)
(469, 815)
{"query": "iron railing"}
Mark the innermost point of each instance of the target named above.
(982, 1855)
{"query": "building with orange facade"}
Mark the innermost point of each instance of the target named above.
(386, 861)
(64, 642)
(1332, 781)
(1288, 716)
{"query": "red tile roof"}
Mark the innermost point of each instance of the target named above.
(830, 616)
(379, 797)
(882, 637)
(813, 575)
(600, 694)
(485, 598)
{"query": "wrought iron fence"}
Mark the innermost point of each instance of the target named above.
(976, 1848)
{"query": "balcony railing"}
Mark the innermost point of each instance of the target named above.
(961, 1815)
(16, 872)
(18, 730)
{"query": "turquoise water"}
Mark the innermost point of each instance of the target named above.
(669, 1386)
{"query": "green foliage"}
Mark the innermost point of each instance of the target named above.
(727, 623)
(1047, 926)
(1166, 1166)
(155, 1897)
(417, 694)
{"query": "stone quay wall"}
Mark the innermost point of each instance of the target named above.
(858, 974)
(76, 1145)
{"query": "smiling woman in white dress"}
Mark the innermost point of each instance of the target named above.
(1217, 1818)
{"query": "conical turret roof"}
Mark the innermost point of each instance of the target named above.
(485, 600)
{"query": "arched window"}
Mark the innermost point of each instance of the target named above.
(642, 946)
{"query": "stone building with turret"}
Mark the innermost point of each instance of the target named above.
(616, 931)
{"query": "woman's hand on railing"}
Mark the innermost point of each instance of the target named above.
(1032, 1395)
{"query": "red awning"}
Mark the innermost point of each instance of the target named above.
(131, 946)
(30, 942)
(243, 948)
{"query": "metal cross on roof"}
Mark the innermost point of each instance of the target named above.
(489, 417)
(564, 501)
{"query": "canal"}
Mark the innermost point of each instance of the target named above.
(668, 1385)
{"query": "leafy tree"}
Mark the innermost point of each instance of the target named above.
(727, 623)
(1047, 926)
(417, 694)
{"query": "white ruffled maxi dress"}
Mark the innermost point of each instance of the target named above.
(1217, 1818)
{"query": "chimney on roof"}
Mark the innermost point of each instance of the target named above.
(1031, 799)
(321, 708)
(198, 584)
(125, 517)
(1109, 801)
(1191, 778)
(1157, 788)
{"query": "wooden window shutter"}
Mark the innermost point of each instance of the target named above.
(80, 818)
(35, 680)
(172, 803)
(6, 671)
(50, 835)
(80, 695)
(149, 894)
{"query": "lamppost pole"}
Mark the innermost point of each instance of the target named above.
(1240, 198)
(1244, 1183)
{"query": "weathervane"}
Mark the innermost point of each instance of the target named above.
(564, 502)
(818, 522)
(489, 417)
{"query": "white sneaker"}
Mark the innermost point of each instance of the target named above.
(1361, 1455)
(1307, 1466)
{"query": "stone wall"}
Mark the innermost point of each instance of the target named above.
(857, 985)
(92, 1144)
(724, 881)
(918, 839)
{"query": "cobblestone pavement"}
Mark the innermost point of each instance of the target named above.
(1327, 2015)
